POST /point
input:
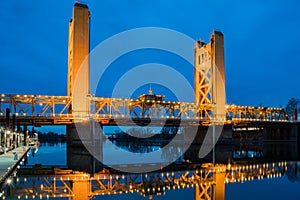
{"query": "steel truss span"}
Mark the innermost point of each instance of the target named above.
(52, 110)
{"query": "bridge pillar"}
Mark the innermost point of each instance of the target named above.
(202, 131)
(85, 146)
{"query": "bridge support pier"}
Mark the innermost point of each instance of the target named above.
(202, 131)
(85, 146)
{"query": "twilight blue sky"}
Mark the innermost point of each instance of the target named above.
(262, 42)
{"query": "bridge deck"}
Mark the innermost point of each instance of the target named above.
(123, 121)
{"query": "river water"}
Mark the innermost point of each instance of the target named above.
(251, 171)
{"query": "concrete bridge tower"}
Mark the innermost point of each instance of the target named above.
(209, 76)
(78, 60)
(80, 133)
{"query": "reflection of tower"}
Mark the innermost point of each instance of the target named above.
(78, 62)
(215, 191)
(209, 75)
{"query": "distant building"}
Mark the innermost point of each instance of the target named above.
(151, 96)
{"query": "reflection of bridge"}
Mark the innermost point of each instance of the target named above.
(207, 180)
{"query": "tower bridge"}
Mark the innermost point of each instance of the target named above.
(208, 108)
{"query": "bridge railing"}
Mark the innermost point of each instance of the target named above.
(131, 108)
(35, 105)
(251, 113)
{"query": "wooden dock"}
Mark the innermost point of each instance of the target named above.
(10, 161)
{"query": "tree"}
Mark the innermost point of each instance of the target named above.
(291, 105)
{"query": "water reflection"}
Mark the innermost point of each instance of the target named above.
(86, 178)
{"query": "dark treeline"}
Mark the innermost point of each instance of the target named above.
(147, 135)
(51, 137)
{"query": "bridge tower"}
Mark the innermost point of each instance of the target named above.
(80, 133)
(209, 76)
(78, 59)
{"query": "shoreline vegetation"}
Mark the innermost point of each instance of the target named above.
(144, 135)
(133, 134)
(51, 137)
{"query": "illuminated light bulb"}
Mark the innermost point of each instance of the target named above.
(8, 181)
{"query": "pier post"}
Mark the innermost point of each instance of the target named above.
(18, 134)
(32, 132)
(25, 135)
(14, 131)
(7, 123)
(7, 119)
